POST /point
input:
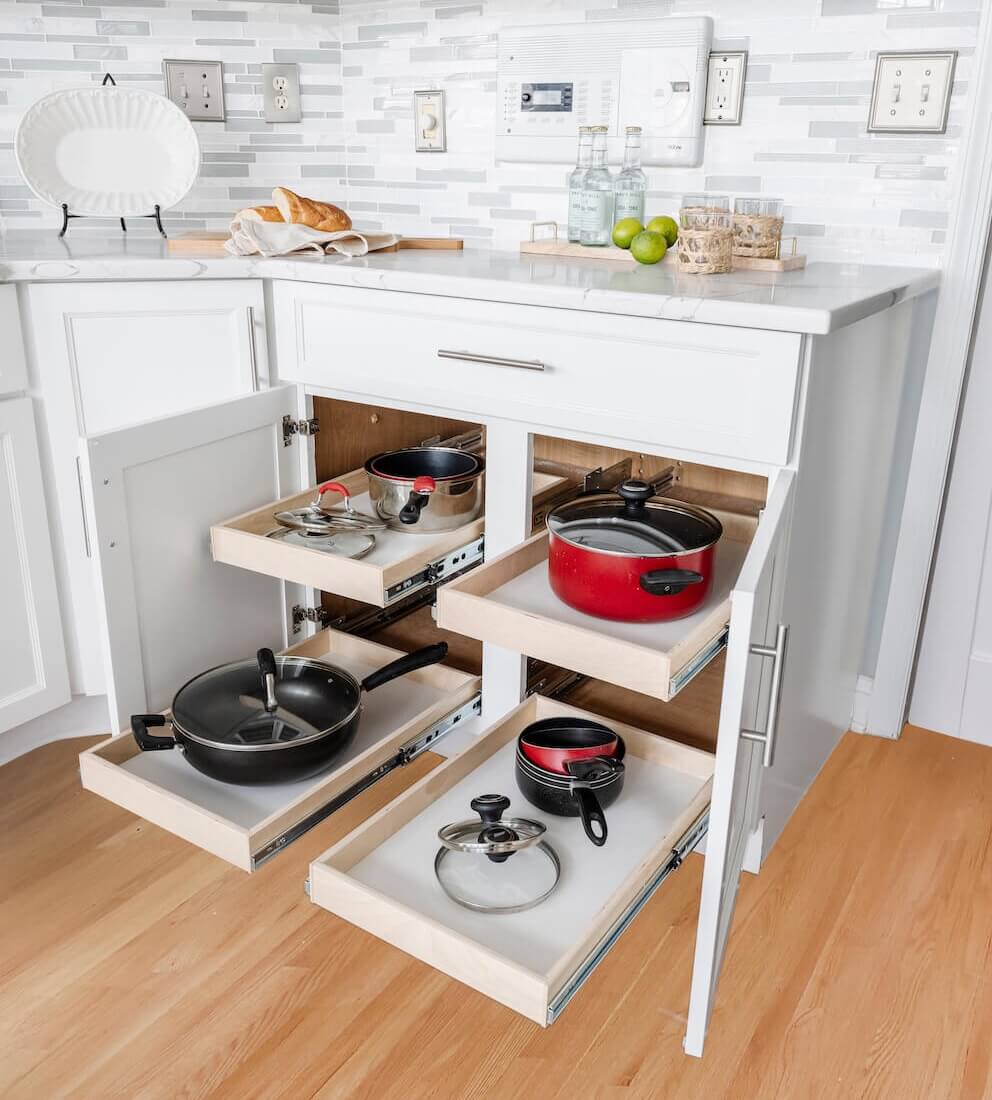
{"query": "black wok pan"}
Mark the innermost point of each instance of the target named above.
(271, 720)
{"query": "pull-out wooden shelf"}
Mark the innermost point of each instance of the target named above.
(509, 602)
(381, 876)
(247, 825)
(400, 563)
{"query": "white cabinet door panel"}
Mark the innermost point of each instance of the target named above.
(13, 367)
(107, 355)
(33, 673)
(154, 490)
(748, 689)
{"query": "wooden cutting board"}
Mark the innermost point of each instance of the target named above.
(206, 241)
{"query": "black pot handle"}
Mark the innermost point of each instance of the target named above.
(269, 672)
(669, 582)
(419, 658)
(148, 742)
(636, 494)
(593, 820)
(417, 501)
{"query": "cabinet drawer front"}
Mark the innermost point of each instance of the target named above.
(247, 825)
(381, 876)
(706, 388)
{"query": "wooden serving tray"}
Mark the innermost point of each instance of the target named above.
(612, 254)
(381, 876)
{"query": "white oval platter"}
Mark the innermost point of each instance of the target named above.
(107, 151)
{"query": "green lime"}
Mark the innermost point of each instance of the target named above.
(667, 227)
(648, 247)
(625, 231)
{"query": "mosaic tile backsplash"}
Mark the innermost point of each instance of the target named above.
(849, 195)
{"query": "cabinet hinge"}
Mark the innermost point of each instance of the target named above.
(291, 427)
(303, 615)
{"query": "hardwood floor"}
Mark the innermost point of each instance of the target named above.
(135, 966)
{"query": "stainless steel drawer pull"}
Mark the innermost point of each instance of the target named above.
(494, 360)
(777, 654)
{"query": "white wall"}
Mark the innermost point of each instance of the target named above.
(849, 195)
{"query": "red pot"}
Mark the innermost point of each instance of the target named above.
(553, 743)
(631, 556)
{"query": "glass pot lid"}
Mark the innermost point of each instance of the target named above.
(632, 522)
(266, 703)
(492, 864)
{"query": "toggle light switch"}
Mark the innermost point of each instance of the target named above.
(912, 92)
(207, 78)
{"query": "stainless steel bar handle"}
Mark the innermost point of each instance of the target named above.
(493, 360)
(768, 737)
(252, 349)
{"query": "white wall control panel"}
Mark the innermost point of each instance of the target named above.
(554, 79)
(197, 87)
(725, 89)
(281, 92)
(912, 92)
(428, 121)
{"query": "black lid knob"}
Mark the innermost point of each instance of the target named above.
(490, 807)
(636, 494)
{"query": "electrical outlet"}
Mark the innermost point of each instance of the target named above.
(196, 87)
(429, 122)
(281, 93)
(912, 92)
(725, 89)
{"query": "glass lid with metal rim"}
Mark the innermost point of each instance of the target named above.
(491, 864)
(633, 522)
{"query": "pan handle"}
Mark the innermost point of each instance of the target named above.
(419, 658)
(669, 582)
(593, 819)
(417, 501)
(269, 671)
(148, 742)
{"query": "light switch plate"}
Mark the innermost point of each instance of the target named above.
(281, 92)
(724, 103)
(912, 92)
(429, 123)
(196, 87)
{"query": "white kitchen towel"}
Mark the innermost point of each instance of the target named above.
(258, 238)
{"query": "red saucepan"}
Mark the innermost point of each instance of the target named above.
(630, 555)
(554, 743)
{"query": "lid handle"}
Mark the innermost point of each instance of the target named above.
(268, 671)
(336, 487)
(636, 494)
(490, 808)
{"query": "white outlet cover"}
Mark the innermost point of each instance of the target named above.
(725, 77)
(912, 92)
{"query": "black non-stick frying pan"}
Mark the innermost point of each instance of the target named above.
(271, 720)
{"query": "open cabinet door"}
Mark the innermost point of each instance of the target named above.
(154, 490)
(751, 685)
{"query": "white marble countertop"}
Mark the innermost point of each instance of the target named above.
(820, 299)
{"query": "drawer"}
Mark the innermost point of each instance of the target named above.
(381, 876)
(248, 825)
(400, 564)
(509, 601)
(703, 388)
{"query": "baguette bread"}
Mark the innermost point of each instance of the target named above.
(260, 214)
(322, 216)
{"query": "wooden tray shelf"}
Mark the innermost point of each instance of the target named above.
(509, 602)
(247, 825)
(381, 877)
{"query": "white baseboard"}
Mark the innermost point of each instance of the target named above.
(862, 700)
(84, 716)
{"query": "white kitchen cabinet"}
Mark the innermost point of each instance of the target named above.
(107, 355)
(13, 364)
(33, 672)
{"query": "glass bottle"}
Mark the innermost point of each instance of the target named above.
(631, 183)
(575, 178)
(597, 195)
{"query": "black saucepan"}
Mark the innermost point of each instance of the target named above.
(271, 720)
(590, 786)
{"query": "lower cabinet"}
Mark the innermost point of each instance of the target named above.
(33, 672)
(185, 587)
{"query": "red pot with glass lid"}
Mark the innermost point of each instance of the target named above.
(630, 555)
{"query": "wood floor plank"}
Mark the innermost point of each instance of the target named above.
(860, 964)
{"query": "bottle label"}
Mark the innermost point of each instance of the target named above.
(574, 210)
(630, 204)
(596, 210)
